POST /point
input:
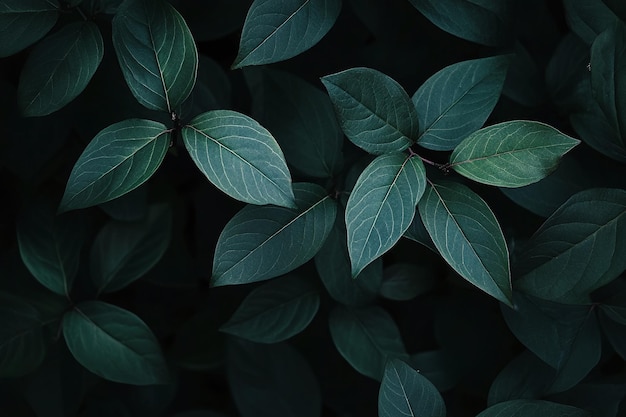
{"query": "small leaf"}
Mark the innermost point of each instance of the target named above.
(374, 111)
(405, 392)
(468, 236)
(404, 281)
(240, 157)
(114, 344)
(367, 338)
(382, 205)
(119, 159)
(24, 22)
(511, 154)
(457, 101)
(275, 311)
(276, 30)
(532, 408)
(59, 68)
(156, 52)
(263, 242)
(125, 251)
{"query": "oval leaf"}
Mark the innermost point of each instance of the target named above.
(156, 52)
(276, 30)
(468, 236)
(59, 68)
(260, 243)
(119, 159)
(24, 22)
(240, 157)
(275, 311)
(457, 100)
(405, 392)
(374, 111)
(114, 343)
(511, 154)
(533, 408)
(382, 205)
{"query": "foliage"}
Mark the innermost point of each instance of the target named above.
(313, 208)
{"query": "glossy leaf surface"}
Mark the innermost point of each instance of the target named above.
(532, 408)
(24, 22)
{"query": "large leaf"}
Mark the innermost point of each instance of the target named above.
(114, 343)
(24, 22)
(59, 68)
(367, 338)
(276, 30)
(578, 249)
(468, 236)
(275, 311)
(124, 251)
(374, 111)
(382, 205)
(588, 19)
(405, 392)
(511, 154)
(240, 157)
(263, 242)
(532, 408)
(119, 159)
(156, 52)
(457, 101)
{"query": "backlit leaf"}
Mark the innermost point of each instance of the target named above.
(276, 30)
(532, 408)
(24, 22)
(511, 154)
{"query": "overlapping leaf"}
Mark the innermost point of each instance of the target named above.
(511, 154)
(588, 19)
(24, 22)
(263, 242)
(404, 281)
(533, 408)
(468, 236)
(119, 159)
(276, 30)
(240, 157)
(156, 52)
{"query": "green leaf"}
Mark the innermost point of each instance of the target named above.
(367, 338)
(125, 251)
(615, 333)
(511, 154)
(50, 246)
(382, 205)
(271, 380)
(579, 241)
(468, 236)
(24, 22)
(240, 157)
(119, 159)
(114, 344)
(263, 242)
(418, 233)
(276, 30)
(22, 345)
(405, 392)
(275, 311)
(596, 131)
(59, 68)
(532, 408)
(457, 101)
(404, 281)
(588, 19)
(374, 111)
(156, 52)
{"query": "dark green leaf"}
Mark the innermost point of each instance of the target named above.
(418, 233)
(596, 131)
(24, 22)
(240, 157)
(579, 241)
(130, 207)
(382, 205)
(524, 82)
(59, 68)
(156, 52)
(601, 398)
(403, 281)
(441, 367)
(275, 311)
(367, 338)
(276, 30)
(405, 392)
(263, 242)
(374, 111)
(468, 236)
(124, 251)
(511, 154)
(588, 19)
(532, 408)
(114, 343)
(457, 100)
(615, 333)
(119, 159)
